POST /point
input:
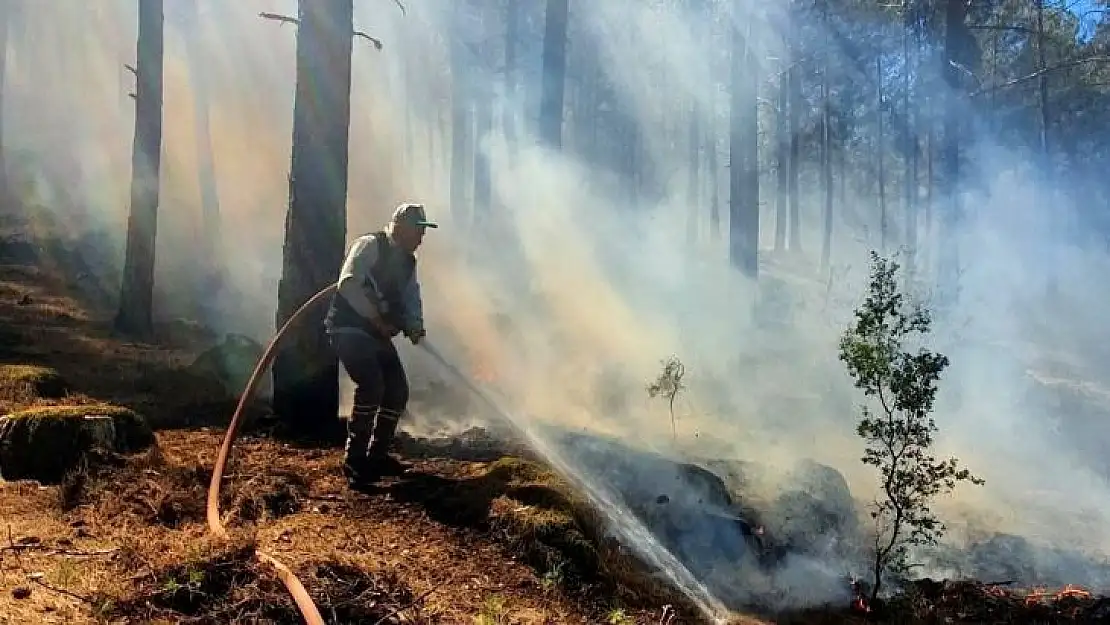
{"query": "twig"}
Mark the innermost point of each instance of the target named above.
(377, 42)
(422, 596)
(37, 579)
(277, 17)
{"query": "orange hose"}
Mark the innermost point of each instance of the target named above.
(304, 602)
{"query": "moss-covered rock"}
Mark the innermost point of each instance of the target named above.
(31, 381)
(46, 442)
(231, 362)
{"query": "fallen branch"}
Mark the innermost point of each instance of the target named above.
(37, 579)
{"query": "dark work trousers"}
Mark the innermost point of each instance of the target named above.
(381, 394)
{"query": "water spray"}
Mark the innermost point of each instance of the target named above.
(628, 527)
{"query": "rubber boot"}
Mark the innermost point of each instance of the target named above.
(381, 437)
(356, 463)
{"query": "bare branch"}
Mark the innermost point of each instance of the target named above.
(277, 17)
(377, 42)
(285, 19)
(131, 69)
(400, 6)
(1040, 72)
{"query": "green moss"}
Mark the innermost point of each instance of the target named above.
(32, 380)
(45, 442)
(542, 517)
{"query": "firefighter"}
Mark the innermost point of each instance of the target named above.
(377, 298)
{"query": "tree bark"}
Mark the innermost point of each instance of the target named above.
(948, 258)
(306, 373)
(794, 108)
(135, 316)
(880, 148)
(513, 18)
(826, 157)
(461, 135)
(744, 148)
(782, 157)
(554, 73)
(693, 197)
(6, 14)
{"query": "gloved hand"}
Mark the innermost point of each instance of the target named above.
(416, 334)
(386, 330)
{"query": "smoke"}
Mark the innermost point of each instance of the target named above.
(566, 296)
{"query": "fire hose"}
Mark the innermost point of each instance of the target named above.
(304, 602)
(300, 595)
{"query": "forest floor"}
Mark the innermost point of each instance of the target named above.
(473, 536)
(464, 540)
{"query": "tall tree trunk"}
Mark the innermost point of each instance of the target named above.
(782, 155)
(743, 147)
(554, 73)
(212, 248)
(911, 153)
(7, 12)
(794, 108)
(1046, 189)
(826, 158)
(880, 148)
(136, 316)
(306, 373)
(513, 18)
(714, 190)
(948, 258)
(461, 136)
(693, 198)
(483, 127)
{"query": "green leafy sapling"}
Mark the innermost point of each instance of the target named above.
(668, 385)
(896, 423)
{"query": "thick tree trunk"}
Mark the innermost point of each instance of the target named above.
(554, 73)
(306, 373)
(136, 315)
(513, 18)
(948, 258)
(744, 148)
(6, 14)
(461, 151)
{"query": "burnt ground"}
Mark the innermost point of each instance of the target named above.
(472, 537)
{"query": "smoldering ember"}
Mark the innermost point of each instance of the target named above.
(618, 312)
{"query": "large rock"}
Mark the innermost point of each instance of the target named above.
(45, 443)
(686, 506)
(231, 362)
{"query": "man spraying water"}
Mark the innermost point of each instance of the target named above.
(377, 298)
